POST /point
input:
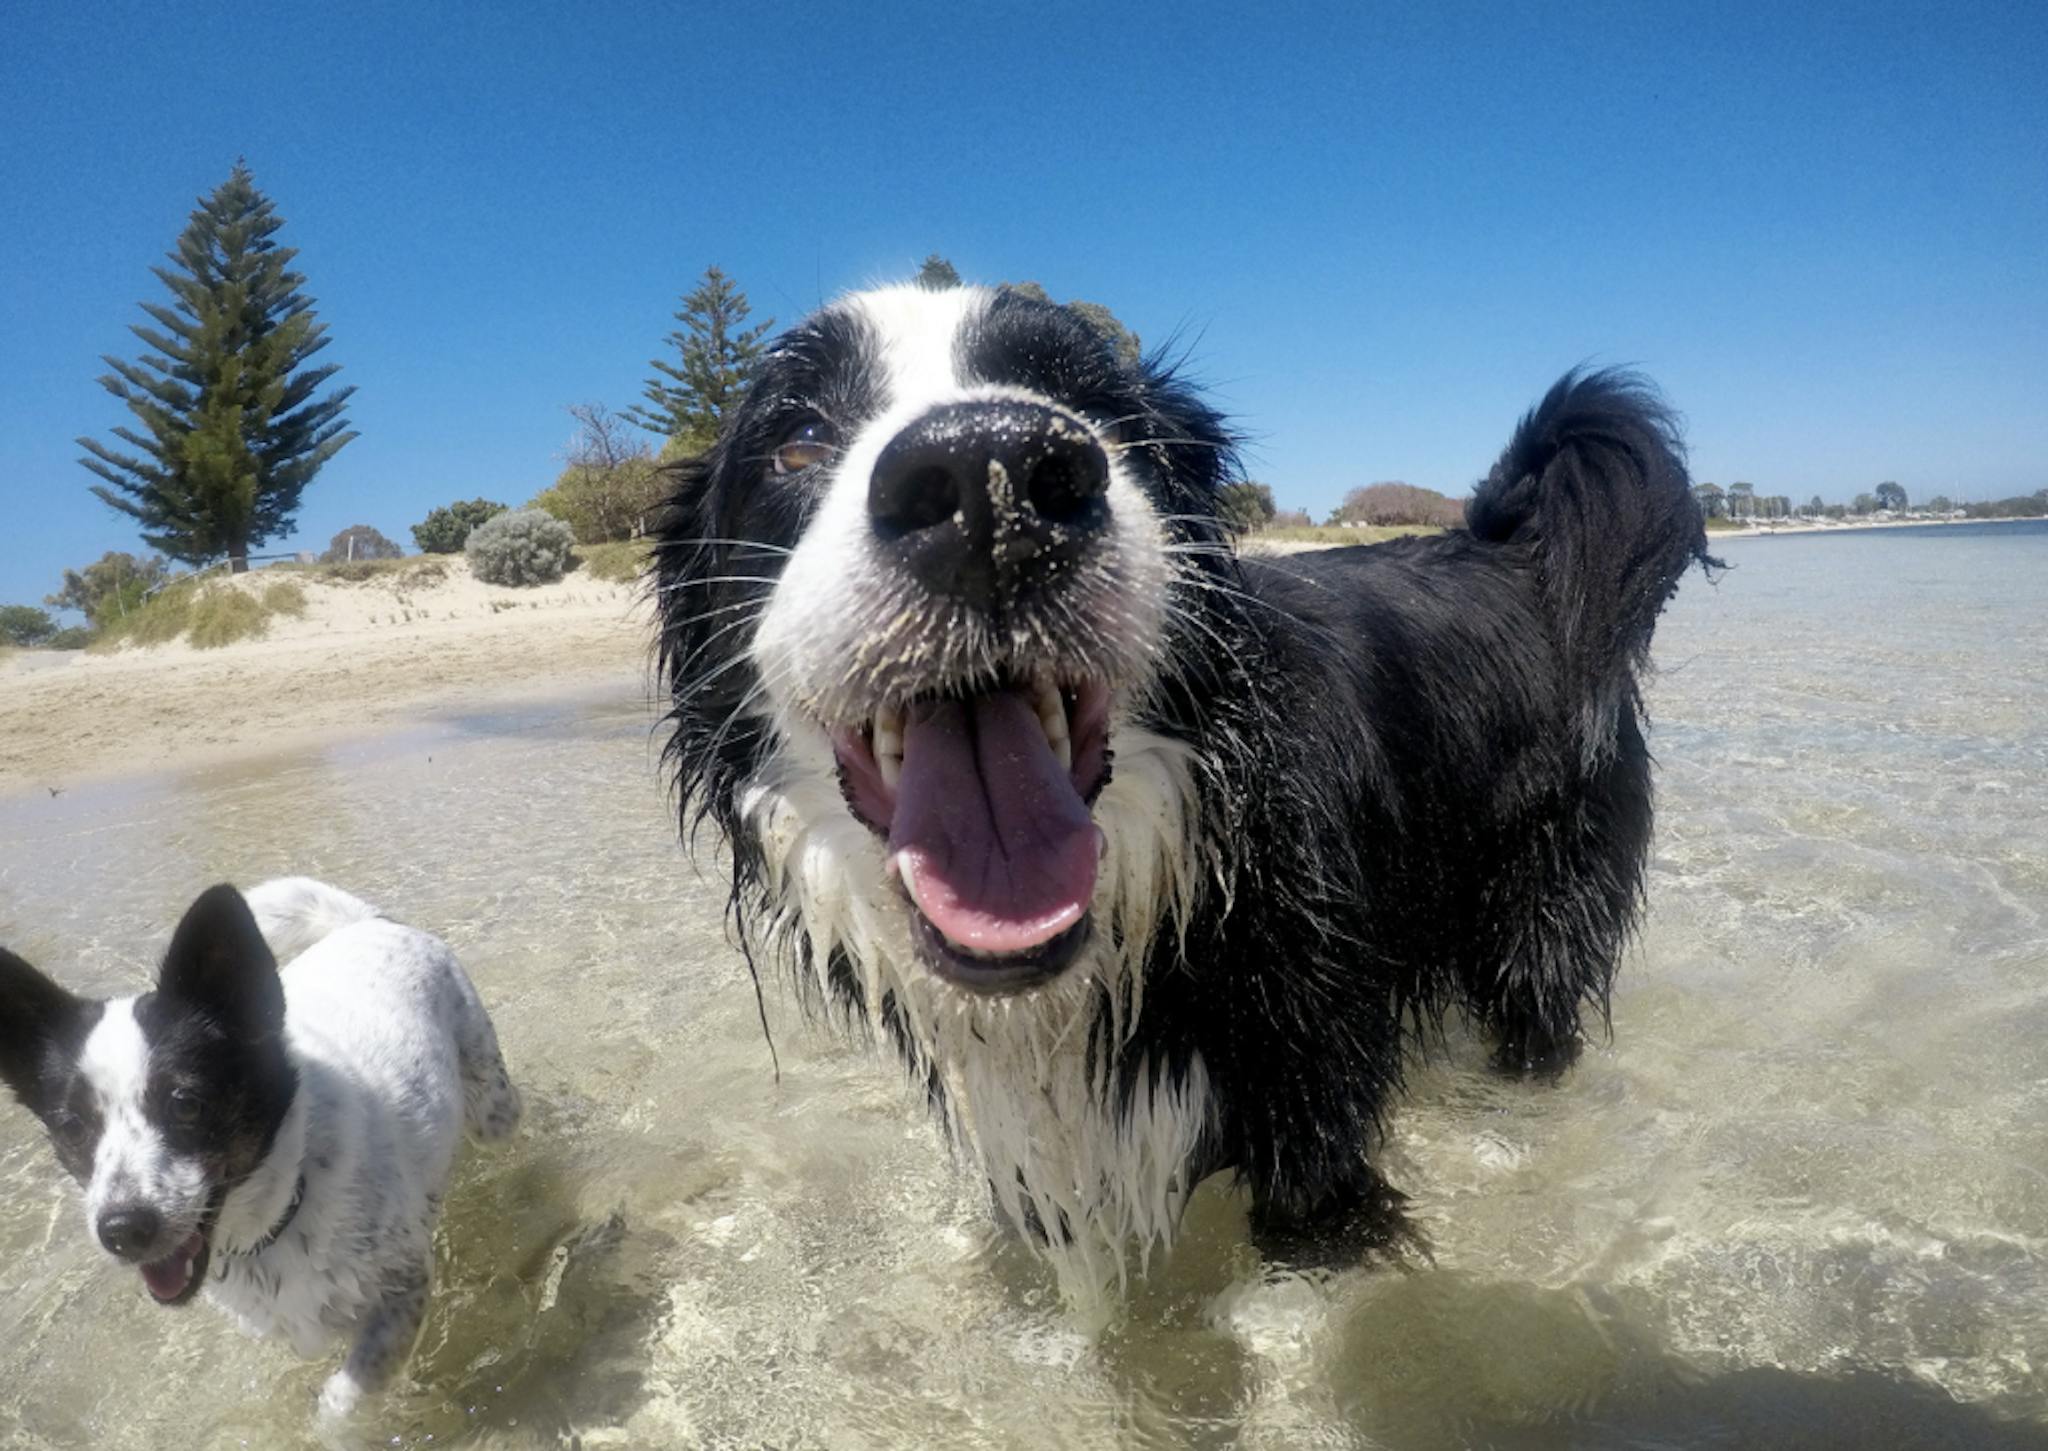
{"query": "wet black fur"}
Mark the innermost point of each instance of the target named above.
(42, 1029)
(215, 1028)
(1422, 763)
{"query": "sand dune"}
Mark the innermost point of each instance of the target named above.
(362, 657)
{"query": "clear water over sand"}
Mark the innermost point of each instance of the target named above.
(1800, 1200)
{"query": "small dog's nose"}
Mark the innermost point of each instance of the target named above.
(982, 500)
(130, 1230)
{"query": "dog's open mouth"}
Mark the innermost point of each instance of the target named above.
(176, 1278)
(984, 802)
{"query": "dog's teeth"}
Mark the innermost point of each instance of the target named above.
(888, 744)
(1063, 752)
(1052, 719)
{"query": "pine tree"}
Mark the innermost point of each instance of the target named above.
(937, 274)
(718, 356)
(231, 432)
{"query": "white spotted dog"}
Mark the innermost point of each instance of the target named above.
(279, 1138)
(1142, 853)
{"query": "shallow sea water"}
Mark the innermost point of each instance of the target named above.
(1800, 1200)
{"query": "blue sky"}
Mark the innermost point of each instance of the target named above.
(1381, 232)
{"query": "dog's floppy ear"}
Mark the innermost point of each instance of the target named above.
(36, 1018)
(219, 960)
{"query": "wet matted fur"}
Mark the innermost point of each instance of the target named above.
(277, 1139)
(1337, 794)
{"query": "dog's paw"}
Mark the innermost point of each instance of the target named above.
(1530, 1053)
(1365, 1223)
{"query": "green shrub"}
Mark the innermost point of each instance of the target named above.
(1245, 506)
(520, 547)
(420, 572)
(71, 637)
(208, 612)
(399, 574)
(112, 585)
(604, 504)
(25, 625)
(223, 615)
(163, 616)
(1395, 503)
(359, 542)
(447, 529)
(618, 563)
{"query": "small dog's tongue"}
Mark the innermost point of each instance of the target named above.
(994, 842)
(171, 1276)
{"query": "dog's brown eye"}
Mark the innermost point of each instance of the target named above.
(185, 1106)
(68, 1127)
(808, 446)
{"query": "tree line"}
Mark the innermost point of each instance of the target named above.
(231, 417)
(1741, 502)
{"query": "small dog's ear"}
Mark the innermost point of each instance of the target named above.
(218, 959)
(35, 1016)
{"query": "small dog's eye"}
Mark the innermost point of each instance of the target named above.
(185, 1106)
(68, 1127)
(809, 445)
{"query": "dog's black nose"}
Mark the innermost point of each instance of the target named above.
(982, 502)
(130, 1230)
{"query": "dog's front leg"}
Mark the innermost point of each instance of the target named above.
(1363, 1218)
(382, 1345)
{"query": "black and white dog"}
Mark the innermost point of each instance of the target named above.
(290, 1132)
(1141, 852)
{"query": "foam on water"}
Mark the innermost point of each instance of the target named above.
(1800, 1200)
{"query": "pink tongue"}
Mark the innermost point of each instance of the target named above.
(993, 840)
(168, 1277)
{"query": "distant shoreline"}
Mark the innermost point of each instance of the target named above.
(1296, 539)
(1752, 531)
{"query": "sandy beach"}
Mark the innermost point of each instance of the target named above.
(363, 657)
(398, 647)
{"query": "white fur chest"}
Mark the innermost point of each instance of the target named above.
(1021, 1093)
